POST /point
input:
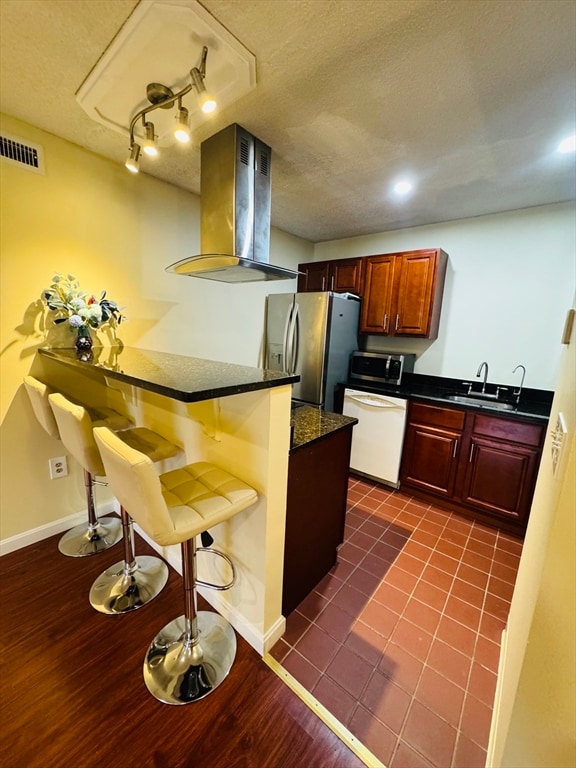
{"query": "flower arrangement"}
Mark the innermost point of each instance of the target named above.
(77, 307)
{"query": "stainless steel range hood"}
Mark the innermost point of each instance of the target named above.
(235, 203)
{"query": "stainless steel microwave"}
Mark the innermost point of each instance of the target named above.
(380, 367)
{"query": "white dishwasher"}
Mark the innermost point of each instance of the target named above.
(378, 437)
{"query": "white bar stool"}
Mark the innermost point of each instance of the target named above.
(192, 654)
(135, 581)
(98, 534)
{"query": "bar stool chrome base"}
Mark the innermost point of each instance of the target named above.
(121, 588)
(178, 670)
(86, 539)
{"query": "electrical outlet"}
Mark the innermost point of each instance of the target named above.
(58, 467)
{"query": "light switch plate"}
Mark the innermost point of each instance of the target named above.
(558, 435)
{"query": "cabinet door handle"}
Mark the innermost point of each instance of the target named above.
(323, 282)
(471, 453)
(385, 322)
(332, 283)
(397, 321)
(455, 449)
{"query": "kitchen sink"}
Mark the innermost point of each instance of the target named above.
(480, 402)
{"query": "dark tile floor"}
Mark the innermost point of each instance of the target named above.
(400, 641)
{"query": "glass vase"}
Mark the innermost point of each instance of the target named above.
(83, 341)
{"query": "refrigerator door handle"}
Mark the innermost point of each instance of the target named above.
(287, 345)
(293, 336)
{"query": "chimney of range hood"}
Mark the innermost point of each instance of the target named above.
(235, 204)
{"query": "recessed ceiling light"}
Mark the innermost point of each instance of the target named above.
(568, 144)
(402, 187)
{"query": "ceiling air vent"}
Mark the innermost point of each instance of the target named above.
(22, 153)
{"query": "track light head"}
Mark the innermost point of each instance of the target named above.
(206, 101)
(149, 146)
(133, 161)
(182, 131)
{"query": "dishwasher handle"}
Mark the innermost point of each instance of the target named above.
(376, 401)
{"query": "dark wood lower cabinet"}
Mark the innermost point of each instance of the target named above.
(483, 466)
(432, 443)
(315, 513)
(499, 478)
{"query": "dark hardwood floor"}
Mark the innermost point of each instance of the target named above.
(72, 692)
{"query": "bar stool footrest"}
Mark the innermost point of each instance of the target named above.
(211, 585)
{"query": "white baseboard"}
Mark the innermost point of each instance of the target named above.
(274, 633)
(34, 535)
(496, 710)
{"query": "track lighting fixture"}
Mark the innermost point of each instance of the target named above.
(162, 97)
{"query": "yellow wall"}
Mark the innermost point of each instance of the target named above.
(543, 725)
(89, 216)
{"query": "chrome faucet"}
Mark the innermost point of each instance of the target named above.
(518, 392)
(485, 366)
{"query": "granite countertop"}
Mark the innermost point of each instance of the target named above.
(189, 379)
(534, 403)
(310, 423)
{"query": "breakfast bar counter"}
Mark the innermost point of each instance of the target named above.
(188, 379)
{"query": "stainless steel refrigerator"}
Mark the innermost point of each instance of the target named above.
(312, 335)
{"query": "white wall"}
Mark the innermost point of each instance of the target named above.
(510, 280)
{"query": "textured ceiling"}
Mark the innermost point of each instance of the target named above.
(469, 96)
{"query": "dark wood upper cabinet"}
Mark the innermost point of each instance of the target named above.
(484, 466)
(313, 276)
(338, 275)
(379, 283)
(403, 293)
(346, 276)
